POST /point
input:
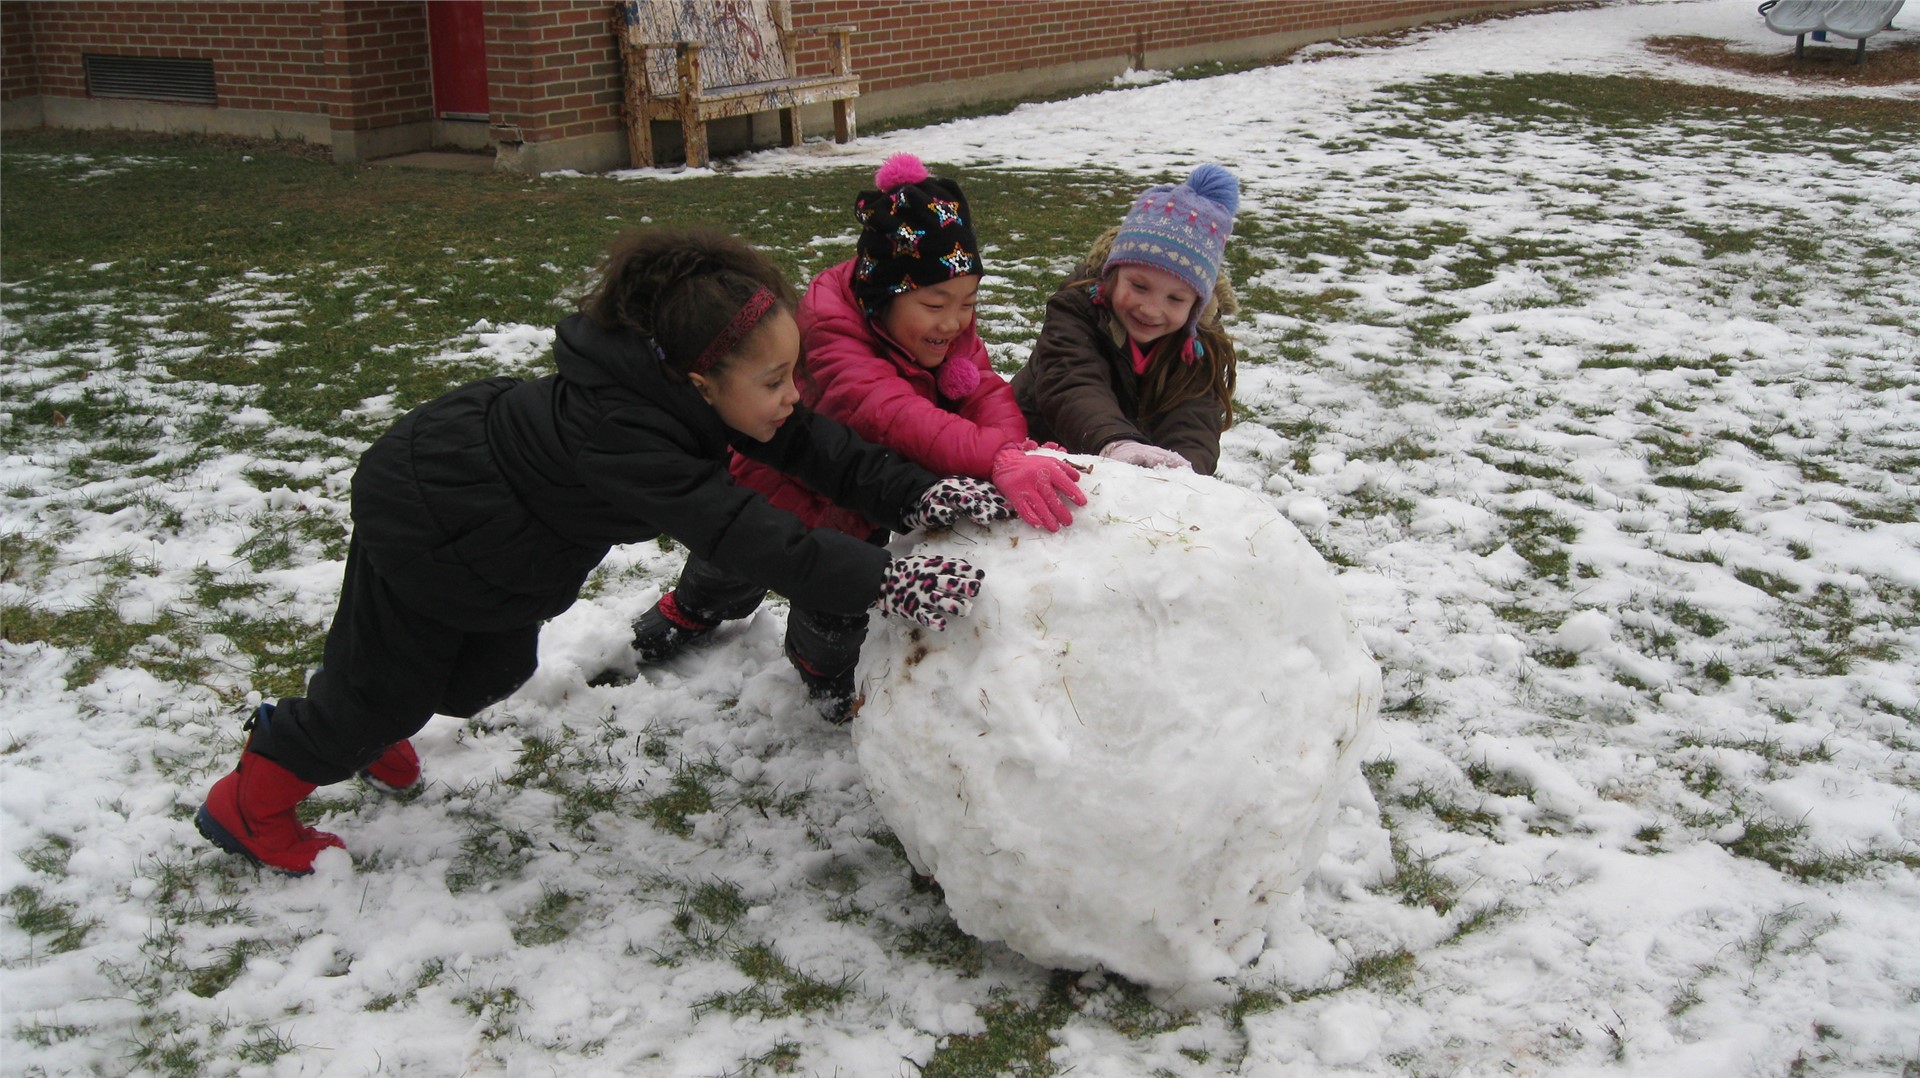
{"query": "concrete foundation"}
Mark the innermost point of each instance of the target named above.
(85, 113)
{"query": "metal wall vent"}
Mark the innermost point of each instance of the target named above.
(151, 78)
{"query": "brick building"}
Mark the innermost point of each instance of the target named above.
(539, 81)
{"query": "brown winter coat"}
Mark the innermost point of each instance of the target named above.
(1078, 388)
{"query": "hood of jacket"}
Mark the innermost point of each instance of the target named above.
(624, 365)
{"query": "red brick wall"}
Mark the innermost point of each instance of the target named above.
(914, 42)
(265, 55)
(375, 63)
(361, 62)
(556, 70)
(19, 74)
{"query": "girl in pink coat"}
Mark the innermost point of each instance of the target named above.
(892, 353)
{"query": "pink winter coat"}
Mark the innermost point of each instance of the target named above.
(858, 377)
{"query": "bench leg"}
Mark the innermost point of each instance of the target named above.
(633, 102)
(843, 121)
(1860, 51)
(791, 131)
(693, 126)
(640, 142)
(1800, 47)
(694, 134)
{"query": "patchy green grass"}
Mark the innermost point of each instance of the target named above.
(1016, 1041)
(777, 990)
(237, 317)
(55, 925)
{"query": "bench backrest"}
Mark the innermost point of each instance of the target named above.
(746, 40)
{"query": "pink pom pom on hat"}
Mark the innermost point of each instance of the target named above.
(901, 168)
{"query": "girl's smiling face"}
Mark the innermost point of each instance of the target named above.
(753, 389)
(1150, 303)
(926, 320)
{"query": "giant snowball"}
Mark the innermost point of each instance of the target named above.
(1134, 744)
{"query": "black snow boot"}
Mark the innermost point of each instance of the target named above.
(825, 648)
(831, 693)
(661, 632)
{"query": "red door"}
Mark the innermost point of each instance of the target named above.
(457, 45)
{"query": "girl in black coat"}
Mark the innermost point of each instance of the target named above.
(479, 515)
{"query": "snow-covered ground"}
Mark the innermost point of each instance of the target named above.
(1612, 436)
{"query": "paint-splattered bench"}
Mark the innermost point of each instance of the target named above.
(701, 60)
(1857, 19)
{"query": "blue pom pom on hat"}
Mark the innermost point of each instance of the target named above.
(1181, 229)
(1216, 185)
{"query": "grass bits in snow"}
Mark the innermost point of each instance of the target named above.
(1134, 744)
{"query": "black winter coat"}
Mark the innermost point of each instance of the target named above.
(489, 506)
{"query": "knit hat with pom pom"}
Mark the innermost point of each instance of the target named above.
(1182, 229)
(915, 230)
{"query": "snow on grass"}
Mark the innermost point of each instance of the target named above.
(1609, 427)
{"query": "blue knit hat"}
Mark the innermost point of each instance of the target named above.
(1181, 229)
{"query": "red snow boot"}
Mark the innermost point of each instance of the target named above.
(396, 772)
(250, 812)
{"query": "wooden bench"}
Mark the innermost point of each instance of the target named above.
(1857, 19)
(701, 60)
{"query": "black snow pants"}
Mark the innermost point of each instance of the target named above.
(386, 670)
(822, 645)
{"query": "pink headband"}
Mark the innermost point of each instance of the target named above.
(729, 338)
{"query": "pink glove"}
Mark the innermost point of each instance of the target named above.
(1037, 487)
(1145, 456)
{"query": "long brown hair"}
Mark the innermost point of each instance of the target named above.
(680, 287)
(1170, 381)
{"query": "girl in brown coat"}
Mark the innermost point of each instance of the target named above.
(1132, 362)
